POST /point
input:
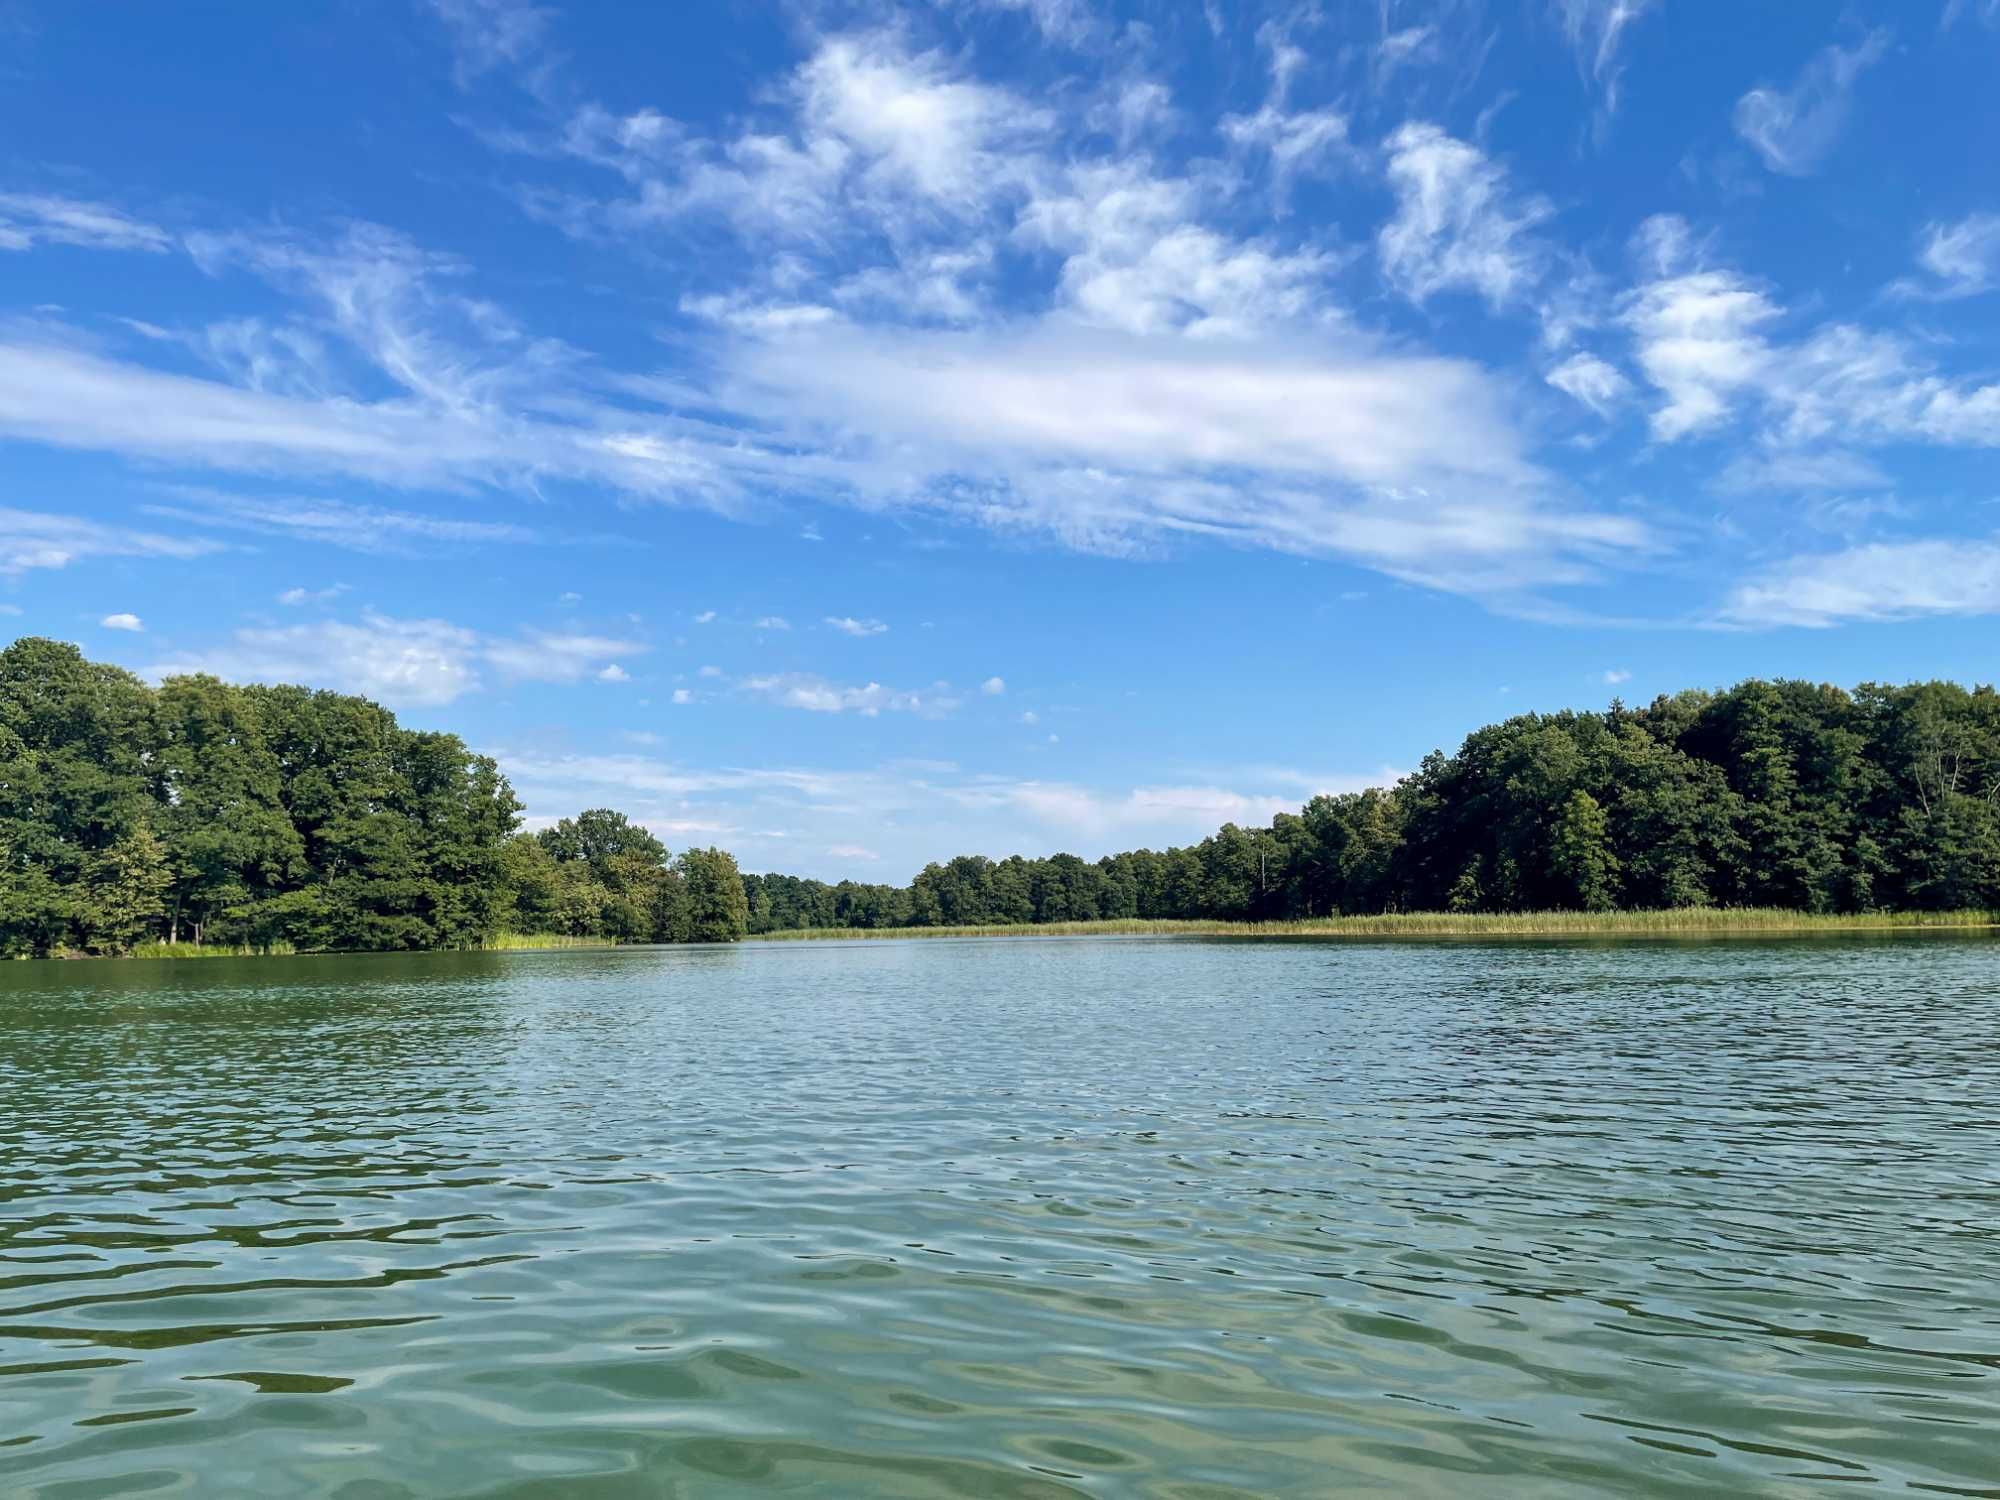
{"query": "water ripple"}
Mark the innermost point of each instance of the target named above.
(1032, 1220)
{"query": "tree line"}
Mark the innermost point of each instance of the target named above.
(282, 816)
(1774, 794)
(268, 816)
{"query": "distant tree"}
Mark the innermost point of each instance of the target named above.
(121, 903)
(716, 909)
(1580, 854)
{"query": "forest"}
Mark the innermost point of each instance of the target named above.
(276, 818)
(1772, 794)
(283, 817)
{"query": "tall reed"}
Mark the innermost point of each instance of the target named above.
(1688, 921)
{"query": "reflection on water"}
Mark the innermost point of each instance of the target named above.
(1005, 1219)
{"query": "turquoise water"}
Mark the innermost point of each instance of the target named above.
(1016, 1218)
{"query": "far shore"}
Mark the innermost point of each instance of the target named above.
(1688, 922)
(1692, 922)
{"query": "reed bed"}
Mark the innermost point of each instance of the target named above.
(500, 942)
(511, 942)
(1685, 922)
(212, 950)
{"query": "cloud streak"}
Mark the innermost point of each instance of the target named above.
(1795, 129)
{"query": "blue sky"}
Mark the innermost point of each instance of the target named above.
(856, 434)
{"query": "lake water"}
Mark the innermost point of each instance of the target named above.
(1018, 1218)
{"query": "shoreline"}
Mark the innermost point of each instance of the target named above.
(1694, 922)
(1690, 922)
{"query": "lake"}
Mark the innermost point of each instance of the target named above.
(1013, 1218)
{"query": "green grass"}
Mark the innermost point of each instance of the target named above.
(211, 950)
(1688, 922)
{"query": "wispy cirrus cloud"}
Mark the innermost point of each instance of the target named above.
(1596, 31)
(1878, 581)
(1794, 129)
(31, 219)
(1456, 223)
(334, 523)
(43, 539)
(1957, 260)
(1708, 339)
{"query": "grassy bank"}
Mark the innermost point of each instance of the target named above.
(500, 942)
(1688, 922)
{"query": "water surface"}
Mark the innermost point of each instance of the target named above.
(1017, 1218)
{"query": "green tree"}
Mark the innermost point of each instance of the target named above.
(716, 909)
(122, 899)
(1580, 853)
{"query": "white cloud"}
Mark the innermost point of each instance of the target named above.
(334, 523)
(1409, 47)
(848, 625)
(419, 663)
(880, 136)
(1187, 378)
(296, 597)
(1596, 30)
(853, 851)
(30, 219)
(122, 622)
(1031, 718)
(1874, 582)
(423, 663)
(1340, 411)
(68, 398)
(710, 672)
(1794, 129)
(1136, 258)
(1704, 338)
(1589, 380)
(39, 539)
(554, 656)
(1456, 225)
(1058, 20)
(1960, 260)
(1082, 811)
(1700, 342)
(1788, 470)
(491, 33)
(817, 695)
(1615, 675)
(1295, 141)
(993, 687)
(683, 697)
(1405, 462)
(706, 617)
(773, 622)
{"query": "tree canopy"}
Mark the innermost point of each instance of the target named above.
(281, 815)
(1785, 794)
